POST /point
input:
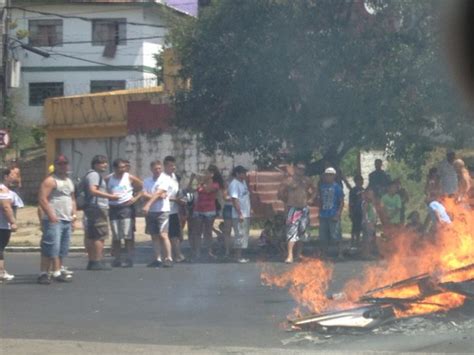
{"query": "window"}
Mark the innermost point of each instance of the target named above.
(107, 85)
(41, 91)
(45, 33)
(109, 32)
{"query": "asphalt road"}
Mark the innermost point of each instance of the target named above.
(201, 308)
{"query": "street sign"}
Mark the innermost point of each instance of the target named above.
(4, 139)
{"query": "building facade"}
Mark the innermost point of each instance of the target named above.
(92, 46)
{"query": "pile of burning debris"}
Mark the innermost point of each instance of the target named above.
(443, 265)
(423, 294)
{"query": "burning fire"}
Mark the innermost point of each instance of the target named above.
(305, 281)
(432, 304)
(404, 256)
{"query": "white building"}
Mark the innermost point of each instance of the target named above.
(94, 46)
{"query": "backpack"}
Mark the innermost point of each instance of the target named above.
(82, 191)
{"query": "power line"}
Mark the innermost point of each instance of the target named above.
(47, 53)
(121, 54)
(85, 13)
(130, 48)
(121, 39)
(95, 62)
(80, 17)
(126, 68)
(172, 6)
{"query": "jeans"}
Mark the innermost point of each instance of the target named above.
(56, 238)
(329, 230)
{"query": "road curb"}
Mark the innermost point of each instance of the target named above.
(253, 249)
(34, 249)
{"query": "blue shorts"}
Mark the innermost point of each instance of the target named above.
(227, 212)
(55, 239)
(207, 215)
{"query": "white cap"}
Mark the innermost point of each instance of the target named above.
(330, 171)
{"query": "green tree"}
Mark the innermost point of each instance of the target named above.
(315, 76)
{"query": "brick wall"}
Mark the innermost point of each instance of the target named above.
(263, 186)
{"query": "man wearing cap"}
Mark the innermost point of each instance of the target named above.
(331, 202)
(239, 193)
(297, 192)
(57, 202)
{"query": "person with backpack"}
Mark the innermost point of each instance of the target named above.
(96, 205)
(57, 202)
(121, 212)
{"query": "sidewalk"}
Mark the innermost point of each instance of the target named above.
(28, 236)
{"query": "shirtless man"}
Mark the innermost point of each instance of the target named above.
(464, 181)
(16, 174)
(297, 192)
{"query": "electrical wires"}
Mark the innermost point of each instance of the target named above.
(123, 39)
(79, 17)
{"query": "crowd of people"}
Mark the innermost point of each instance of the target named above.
(378, 208)
(384, 202)
(111, 202)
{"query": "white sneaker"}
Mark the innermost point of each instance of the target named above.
(6, 276)
(65, 271)
(243, 261)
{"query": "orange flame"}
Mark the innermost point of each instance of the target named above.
(306, 281)
(404, 255)
(438, 303)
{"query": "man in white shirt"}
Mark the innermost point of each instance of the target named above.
(157, 211)
(175, 232)
(121, 212)
(239, 193)
(148, 184)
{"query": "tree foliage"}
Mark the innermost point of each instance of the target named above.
(315, 76)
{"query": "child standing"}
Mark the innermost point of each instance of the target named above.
(369, 222)
(355, 209)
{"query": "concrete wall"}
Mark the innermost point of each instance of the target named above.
(81, 151)
(141, 149)
(77, 74)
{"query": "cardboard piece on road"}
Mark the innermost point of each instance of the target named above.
(362, 316)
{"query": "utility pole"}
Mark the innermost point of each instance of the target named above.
(5, 58)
